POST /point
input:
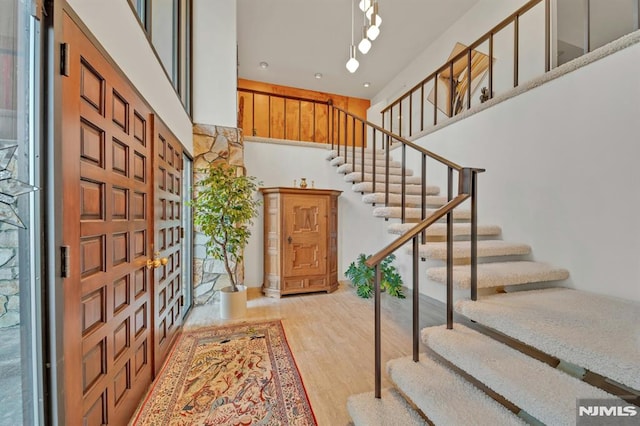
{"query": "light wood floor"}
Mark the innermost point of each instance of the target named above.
(331, 337)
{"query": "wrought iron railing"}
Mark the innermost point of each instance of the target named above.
(345, 127)
(455, 78)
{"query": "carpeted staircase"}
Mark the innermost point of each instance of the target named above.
(556, 337)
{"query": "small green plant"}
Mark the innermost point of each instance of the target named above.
(223, 209)
(361, 277)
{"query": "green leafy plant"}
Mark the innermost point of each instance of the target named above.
(223, 209)
(361, 277)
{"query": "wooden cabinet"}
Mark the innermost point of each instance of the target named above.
(300, 240)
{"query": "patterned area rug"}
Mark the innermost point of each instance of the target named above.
(229, 375)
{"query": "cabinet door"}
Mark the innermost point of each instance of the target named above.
(305, 238)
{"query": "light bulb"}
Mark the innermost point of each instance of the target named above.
(352, 64)
(364, 45)
(373, 32)
(364, 5)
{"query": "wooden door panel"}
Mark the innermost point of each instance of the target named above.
(168, 235)
(305, 237)
(108, 227)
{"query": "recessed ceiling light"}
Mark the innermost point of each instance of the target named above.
(366, 84)
(318, 75)
(264, 65)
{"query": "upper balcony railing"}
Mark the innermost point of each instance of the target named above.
(278, 116)
(448, 90)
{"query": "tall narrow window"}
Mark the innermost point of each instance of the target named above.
(187, 241)
(164, 35)
(168, 27)
(20, 277)
(142, 10)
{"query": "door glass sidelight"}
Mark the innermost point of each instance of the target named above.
(187, 241)
(20, 258)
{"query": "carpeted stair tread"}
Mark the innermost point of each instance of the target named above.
(416, 213)
(395, 199)
(395, 188)
(396, 171)
(390, 410)
(380, 162)
(368, 177)
(462, 249)
(440, 229)
(445, 397)
(596, 332)
(545, 393)
(368, 152)
(498, 274)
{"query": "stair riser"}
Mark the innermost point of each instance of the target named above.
(348, 168)
(379, 163)
(396, 199)
(412, 213)
(357, 178)
(501, 274)
(367, 187)
(464, 258)
(358, 153)
(459, 230)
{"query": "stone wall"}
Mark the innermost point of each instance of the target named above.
(213, 146)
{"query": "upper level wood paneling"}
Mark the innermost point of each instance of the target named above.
(296, 119)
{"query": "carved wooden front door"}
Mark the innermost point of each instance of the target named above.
(167, 168)
(121, 203)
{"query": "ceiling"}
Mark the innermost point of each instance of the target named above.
(299, 38)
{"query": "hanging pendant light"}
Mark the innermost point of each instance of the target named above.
(364, 5)
(365, 43)
(374, 21)
(373, 32)
(352, 64)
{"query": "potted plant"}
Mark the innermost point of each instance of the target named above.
(361, 277)
(223, 209)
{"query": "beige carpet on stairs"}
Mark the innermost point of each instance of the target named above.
(596, 332)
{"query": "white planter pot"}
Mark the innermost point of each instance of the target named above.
(233, 305)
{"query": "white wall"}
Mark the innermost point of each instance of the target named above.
(115, 25)
(562, 171)
(279, 165)
(471, 26)
(477, 21)
(214, 62)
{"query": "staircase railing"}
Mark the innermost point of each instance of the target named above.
(286, 117)
(456, 76)
(344, 127)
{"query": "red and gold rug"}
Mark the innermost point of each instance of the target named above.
(229, 375)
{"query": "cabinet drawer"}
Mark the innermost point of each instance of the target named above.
(294, 284)
(319, 283)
